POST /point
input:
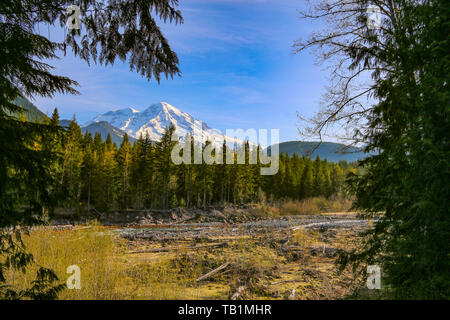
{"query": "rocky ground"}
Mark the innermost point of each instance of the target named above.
(224, 214)
(233, 253)
(208, 230)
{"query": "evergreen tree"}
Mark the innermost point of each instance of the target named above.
(306, 183)
(71, 167)
(52, 144)
(87, 168)
(106, 187)
(406, 130)
(95, 190)
(205, 180)
(123, 171)
(164, 164)
(142, 172)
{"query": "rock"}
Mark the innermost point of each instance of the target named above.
(323, 251)
(217, 214)
(312, 273)
(295, 255)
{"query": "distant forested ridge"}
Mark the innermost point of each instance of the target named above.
(105, 129)
(30, 111)
(96, 173)
(326, 150)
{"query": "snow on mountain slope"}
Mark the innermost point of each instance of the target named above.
(156, 118)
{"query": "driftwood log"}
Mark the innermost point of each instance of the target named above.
(167, 249)
(213, 272)
(286, 281)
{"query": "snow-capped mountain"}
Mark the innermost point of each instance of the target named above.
(156, 118)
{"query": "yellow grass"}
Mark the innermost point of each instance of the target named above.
(315, 205)
(106, 272)
(109, 272)
(309, 206)
(92, 249)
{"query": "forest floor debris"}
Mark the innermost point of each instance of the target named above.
(287, 257)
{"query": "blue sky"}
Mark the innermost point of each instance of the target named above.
(237, 63)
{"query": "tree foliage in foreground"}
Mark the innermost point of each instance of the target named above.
(403, 116)
(120, 29)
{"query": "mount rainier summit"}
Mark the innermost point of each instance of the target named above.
(155, 119)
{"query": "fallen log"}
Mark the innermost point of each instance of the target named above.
(167, 249)
(286, 281)
(209, 274)
(324, 251)
(292, 248)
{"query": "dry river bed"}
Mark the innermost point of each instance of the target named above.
(290, 257)
(206, 230)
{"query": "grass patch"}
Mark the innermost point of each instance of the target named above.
(107, 273)
(93, 249)
(309, 206)
(315, 205)
(267, 265)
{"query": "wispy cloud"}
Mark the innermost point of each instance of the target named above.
(232, 23)
(236, 64)
(245, 95)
